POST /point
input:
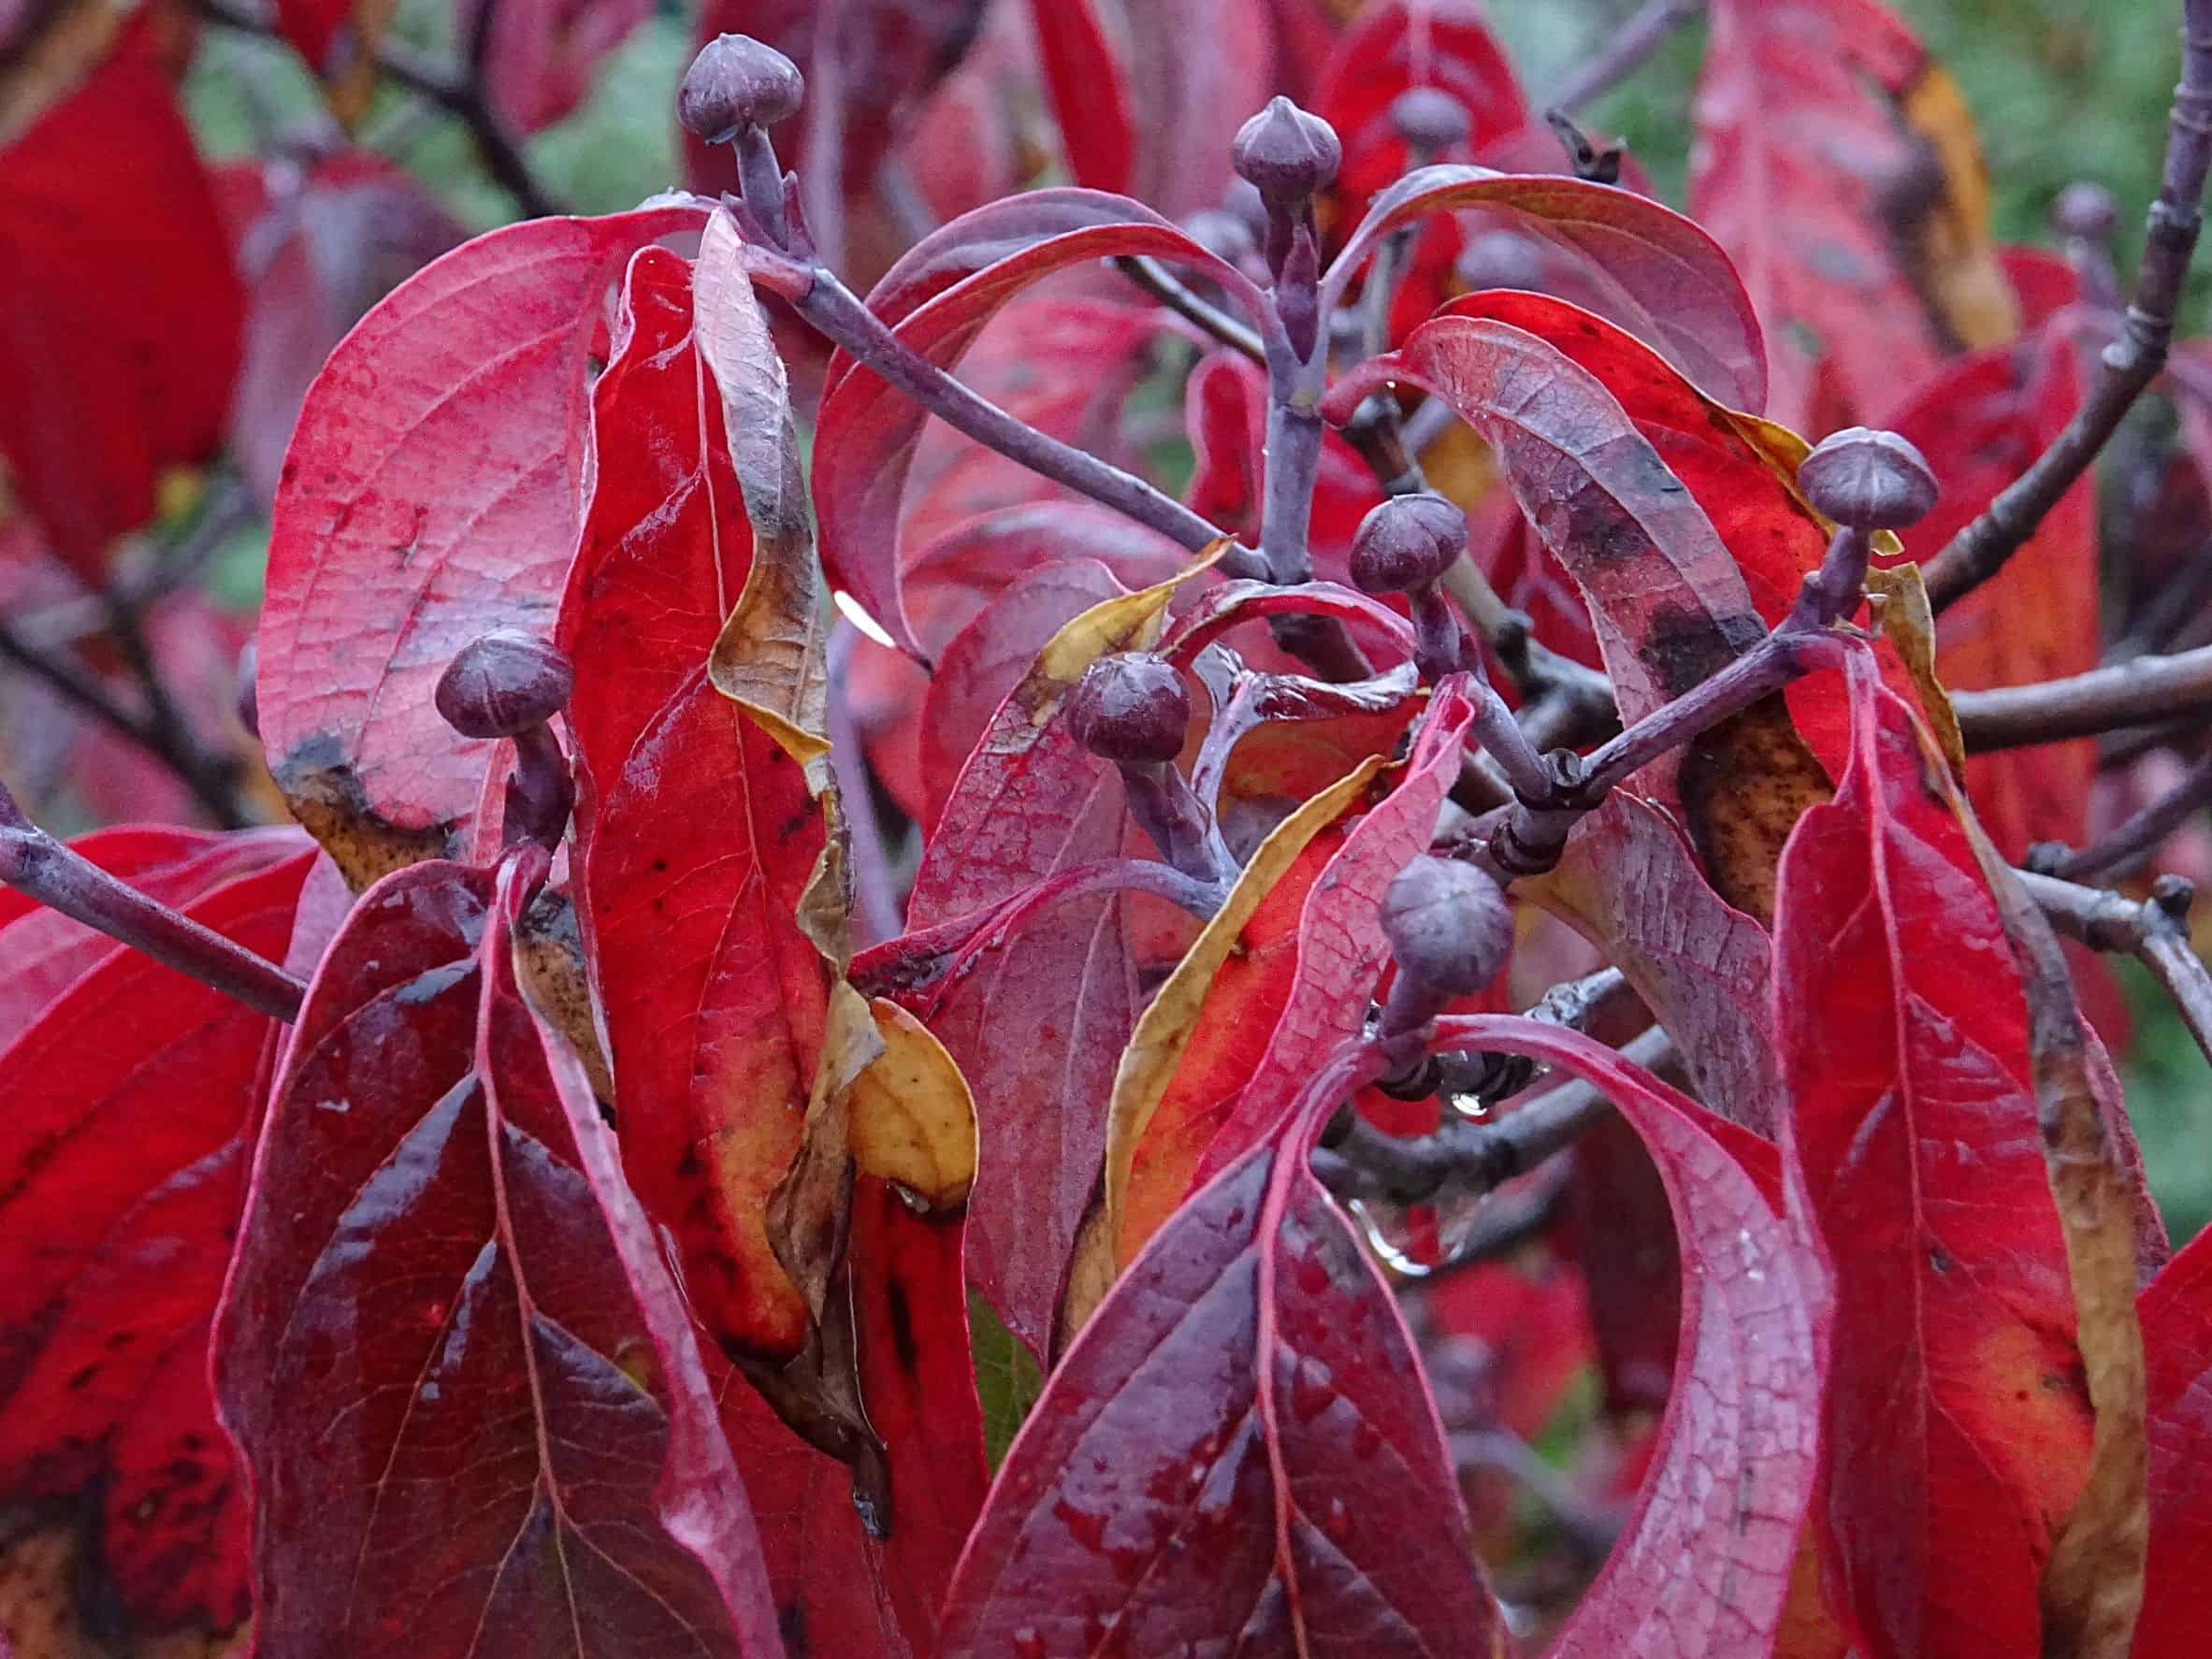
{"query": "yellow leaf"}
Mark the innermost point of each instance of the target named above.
(913, 1118)
(1958, 274)
(1902, 607)
(1163, 1032)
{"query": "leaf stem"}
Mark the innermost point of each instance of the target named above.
(37, 864)
(2132, 362)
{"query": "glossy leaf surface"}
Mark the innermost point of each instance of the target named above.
(1228, 1456)
(697, 832)
(464, 1380)
(432, 492)
(1958, 1430)
(132, 1103)
(1703, 1563)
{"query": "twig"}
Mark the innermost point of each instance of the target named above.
(39, 865)
(465, 97)
(1633, 41)
(1466, 1158)
(2131, 693)
(2154, 930)
(1172, 292)
(2118, 852)
(834, 311)
(2132, 362)
(160, 732)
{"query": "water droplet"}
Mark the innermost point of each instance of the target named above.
(1313, 1389)
(1028, 1644)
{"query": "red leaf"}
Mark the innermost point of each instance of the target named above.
(1958, 1430)
(2177, 1313)
(838, 1589)
(1089, 85)
(1980, 424)
(130, 1113)
(433, 491)
(987, 659)
(1403, 44)
(1238, 1453)
(1641, 267)
(543, 52)
(111, 378)
(311, 28)
(1274, 1013)
(317, 245)
(938, 297)
(696, 832)
(1805, 171)
(1629, 884)
(1669, 602)
(461, 1375)
(1703, 1566)
(46, 952)
(1139, 110)
(950, 580)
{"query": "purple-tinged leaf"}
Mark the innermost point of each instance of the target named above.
(459, 1371)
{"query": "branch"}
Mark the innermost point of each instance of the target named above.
(1467, 1157)
(2131, 693)
(2132, 362)
(464, 97)
(2154, 930)
(2128, 842)
(1635, 40)
(1170, 291)
(39, 865)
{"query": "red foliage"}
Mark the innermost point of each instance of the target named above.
(606, 1259)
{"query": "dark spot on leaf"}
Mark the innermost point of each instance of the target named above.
(81, 1378)
(689, 1165)
(791, 1624)
(902, 1317)
(1939, 1259)
(1686, 646)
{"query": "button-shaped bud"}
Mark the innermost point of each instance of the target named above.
(503, 685)
(1130, 708)
(1430, 119)
(1868, 479)
(1448, 924)
(1285, 152)
(736, 81)
(2086, 209)
(1407, 543)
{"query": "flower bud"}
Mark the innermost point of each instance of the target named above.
(1286, 153)
(1407, 543)
(2086, 209)
(736, 81)
(1130, 708)
(1430, 119)
(503, 685)
(1448, 924)
(1869, 479)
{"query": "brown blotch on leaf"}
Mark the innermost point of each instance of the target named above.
(1685, 647)
(549, 962)
(326, 796)
(1743, 787)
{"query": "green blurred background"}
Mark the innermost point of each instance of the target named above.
(2060, 90)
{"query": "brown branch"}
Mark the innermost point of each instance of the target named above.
(2154, 930)
(1466, 1158)
(2137, 692)
(37, 864)
(2132, 362)
(2127, 843)
(464, 96)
